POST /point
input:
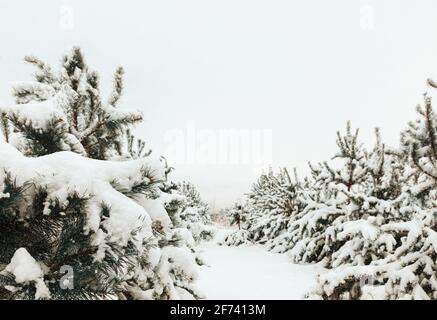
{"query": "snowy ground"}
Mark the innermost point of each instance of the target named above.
(250, 272)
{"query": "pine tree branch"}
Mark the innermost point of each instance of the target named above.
(430, 128)
(423, 170)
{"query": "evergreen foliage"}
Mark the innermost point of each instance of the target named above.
(195, 214)
(368, 215)
(86, 212)
(89, 125)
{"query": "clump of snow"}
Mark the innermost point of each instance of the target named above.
(156, 210)
(25, 269)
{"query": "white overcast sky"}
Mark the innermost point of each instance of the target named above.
(299, 68)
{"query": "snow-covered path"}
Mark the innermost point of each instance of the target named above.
(250, 272)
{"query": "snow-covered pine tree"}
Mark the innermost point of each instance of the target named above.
(406, 268)
(356, 236)
(90, 125)
(267, 209)
(195, 213)
(107, 221)
(311, 194)
(272, 202)
(239, 217)
(176, 271)
(327, 205)
(68, 231)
